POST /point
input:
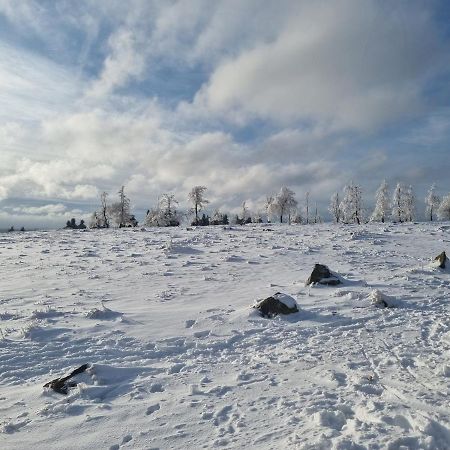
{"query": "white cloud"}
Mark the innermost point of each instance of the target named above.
(347, 64)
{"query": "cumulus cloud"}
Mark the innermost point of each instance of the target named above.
(348, 64)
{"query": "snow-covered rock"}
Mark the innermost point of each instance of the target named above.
(380, 300)
(278, 303)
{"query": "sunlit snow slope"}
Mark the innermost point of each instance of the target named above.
(179, 359)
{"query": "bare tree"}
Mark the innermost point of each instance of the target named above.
(334, 208)
(286, 202)
(432, 202)
(196, 196)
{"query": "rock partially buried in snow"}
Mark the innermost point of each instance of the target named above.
(278, 303)
(322, 275)
(62, 385)
(441, 260)
(380, 300)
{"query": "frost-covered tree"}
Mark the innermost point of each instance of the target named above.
(104, 209)
(198, 200)
(382, 203)
(95, 221)
(444, 208)
(409, 204)
(351, 205)
(432, 202)
(165, 215)
(120, 211)
(218, 218)
(100, 218)
(398, 211)
(286, 202)
(168, 203)
(334, 208)
(270, 206)
(307, 206)
(297, 217)
(403, 203)
(245, 213)
(257, 217)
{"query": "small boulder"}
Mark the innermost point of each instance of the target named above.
(322, 275)
(277, 304)
(441, 260)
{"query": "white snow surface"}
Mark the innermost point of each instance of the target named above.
(180, 360)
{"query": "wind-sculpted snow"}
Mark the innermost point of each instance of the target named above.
(179, 359)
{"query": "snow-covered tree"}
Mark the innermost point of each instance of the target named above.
(334, 208)
(382, 203)
(285, 202)
(95, 221)
(444, 208)
(398, 211)
(257, 216)
(307, 206)
(403, 203)
(297, 217)
(120, 211)
(432, 202)
(409, 202)
(218, 218)
(165, 215)
(100, 218)
(270, 206)
(351, 206)
(198, 200)
(245, 213)
(104, 209)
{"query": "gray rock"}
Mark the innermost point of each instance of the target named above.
(322, 275)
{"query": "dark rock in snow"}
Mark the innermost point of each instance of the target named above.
(62, 385)
(277, 304)
(441, 259)
(322, 275)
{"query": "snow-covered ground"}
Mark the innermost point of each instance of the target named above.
(179, 359)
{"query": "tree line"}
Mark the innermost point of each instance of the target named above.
(283, 207)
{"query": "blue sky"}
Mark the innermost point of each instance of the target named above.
(240, 96)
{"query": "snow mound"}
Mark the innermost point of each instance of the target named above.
(172, 248)
(103, 314)
(380, 300)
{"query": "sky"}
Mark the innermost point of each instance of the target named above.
(241, 96)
